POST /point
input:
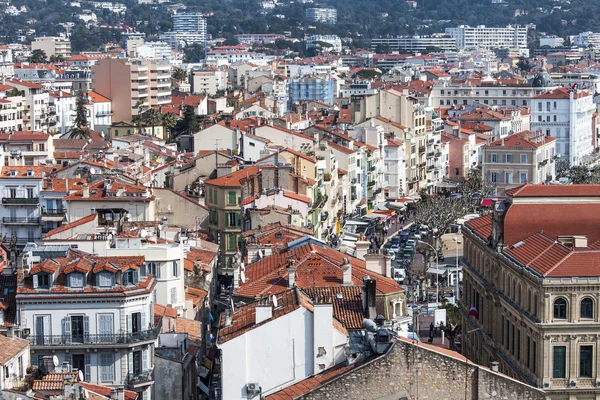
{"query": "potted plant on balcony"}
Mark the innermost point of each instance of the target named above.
(326, 177)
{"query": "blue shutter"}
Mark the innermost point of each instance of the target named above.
(67, 328)
(143, 322)
(130, 363)
(145, 359)
(158, 267)
(88, 368)
(68, 359)
(128, 323)
(86, 328)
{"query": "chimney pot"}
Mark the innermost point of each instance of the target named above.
(494, 366)
(291, 273)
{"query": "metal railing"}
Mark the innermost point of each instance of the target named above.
(21, 220)
(137, 378)
(20, 200)
(53, 211)
(94, 339)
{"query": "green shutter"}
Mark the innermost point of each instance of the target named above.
(232, 198)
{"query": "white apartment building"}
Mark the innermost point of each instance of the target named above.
(160, 50)
(20, 191)
(394, 168)
(325, 15)
(204, 82)
(372, 163)
(467, 37)
(36, 104)
(6, 62)
(189, 22)
(52, 46)
(566, 115)
(333, 40)
(27, 148)
(61, 111)
(349, 161)
(163, 261)
(101, 112)
(413, 44)
(11, 113)
(587, 39)
(95, 314)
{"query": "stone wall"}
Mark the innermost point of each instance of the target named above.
(411, 371)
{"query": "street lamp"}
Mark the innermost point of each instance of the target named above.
(458, 241)
(437, 275)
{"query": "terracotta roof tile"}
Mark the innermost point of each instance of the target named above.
(234, 179)
(10, 347)
(71, 225)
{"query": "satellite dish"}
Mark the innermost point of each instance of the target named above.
(80, 374)
(243, 277)
(55, 361)
(274, 301)
(93, 171)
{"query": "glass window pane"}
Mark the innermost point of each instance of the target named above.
(559, 370)
(585, 361)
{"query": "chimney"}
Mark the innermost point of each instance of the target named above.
(494, 366)
(120, 191)
(362, 247)
(369, 297)
(379, 263)
(347, 272)
(86, 191)
(291, 273)
(322, 334)
(580, 241)
(264, 310)
(113, 394)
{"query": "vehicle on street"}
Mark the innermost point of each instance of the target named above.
(414, 306)
(395, 240)
(413, 336)
(411, 242)
(395, 248)
(456, 195)
(417, 236)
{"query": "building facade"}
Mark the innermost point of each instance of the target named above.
(413, 44)
(481, 36)
(325, 15)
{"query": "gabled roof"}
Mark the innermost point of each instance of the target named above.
(234, 179)
(526, 139)
(528, 190)
(562, 93)
(71, 225)
(315, 267)
(11, 347)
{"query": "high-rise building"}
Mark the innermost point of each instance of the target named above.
(512, 36)
(325, 15)
(415, 43)
(129, 81)
(52, 46)
(189, 22)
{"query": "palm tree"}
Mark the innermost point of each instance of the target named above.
(153, 118)
(80, 129)
(169, 120)
(138, 118)
(179, 74)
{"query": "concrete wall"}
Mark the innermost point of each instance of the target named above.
(409, 371)
(170, 384)
(180, 210)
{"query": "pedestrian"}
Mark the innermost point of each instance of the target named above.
(431, 328)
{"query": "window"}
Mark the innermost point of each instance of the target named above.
(508, 158)
(493, 177)
(153, 269)
(559, 362)
(231, 199)
(107, 372)
(534, 357)
(76, 280)
(523, 158)
(105, 327)
(231, 242)
(12, 192)
(105, 279)
(523, 177)
(585, 361)
(137, 363)
(175, 269)
(43, 281)
(587, 308)
(135, 323)
(130, 277)
(30, 193)
(78, 362)
(494, 158)
(231, 219)
(508, 177)
(560, 309)
(79, 327)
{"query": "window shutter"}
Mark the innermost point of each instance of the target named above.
(136, 275)
(158, 265)
(50, 281)
(143, 270)
(145, 359)
(143, 321)
(67, 328)
(130, 362)
(128, 323)
(88, 368)
(86, 328)
(35, 281)
(238, 219)
(151, 323)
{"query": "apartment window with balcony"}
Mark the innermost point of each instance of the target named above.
(585, 361)
(12, 193)
(136, 322)
(523, 158)
(41, 147)
(559, 360)
(30, 193)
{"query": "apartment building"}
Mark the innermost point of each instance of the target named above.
(311, 88)
(566, 115)
(530, 271)
(61, 111)
(27, 148)
(11, 112)
(6, 62)
(190, 23)
(204, 82)
(20, 210)
(412, 44)
(481, 36)
(349, 161)
(95, 314)
(36, 104)
(260, 38)
(394, 169)
(369, 141)
(324, 15)
(100, 111)
(132, 84)
(52, 46)
(523, 157)
(504, 121)
(333, 40)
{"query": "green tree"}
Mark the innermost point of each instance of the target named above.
(179, 74)
(382, 49)
(138, 119)
(190, 120)
(193, 53)
(169, 120)
(367, 74)
(524, 64)
(38, 56)
(231, 41)
(80, 129)
(152, 117)
(57, 58)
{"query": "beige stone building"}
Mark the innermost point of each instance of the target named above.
(132, 84)
(531, 269)
(517, 159)
(52, 46)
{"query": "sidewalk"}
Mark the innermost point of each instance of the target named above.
(424, 323)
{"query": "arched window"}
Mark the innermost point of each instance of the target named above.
(560, 309)
(587, 308)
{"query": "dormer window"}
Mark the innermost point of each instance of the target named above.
(130, 277)
(42, 280)
(29, 172)
(105, 279)
(76, 280)
(13, 172)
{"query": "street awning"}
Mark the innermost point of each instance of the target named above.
(487, 203)
(396, 205)
(436, 271)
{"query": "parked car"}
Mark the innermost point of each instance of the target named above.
(411, 242)
(395, 240)
(395, 248)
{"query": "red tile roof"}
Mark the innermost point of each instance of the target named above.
(99, 191)
(53, 381)
(315, 267)
(276, 234)
(524, 139)
(481, 226)
(528, 190)
(339, 148)
(561, 93)
(11, 347)
(71, 225)
(105, 390)
(26, 136)
(234, 179)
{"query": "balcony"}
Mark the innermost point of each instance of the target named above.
(371, 183)
(372, 168)
(353, 181)
(421, 149)
(136, 379)
(108, 340)
(430, 167)
(19, 201)
(21, 220)
(53, 214)
(100, 114)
